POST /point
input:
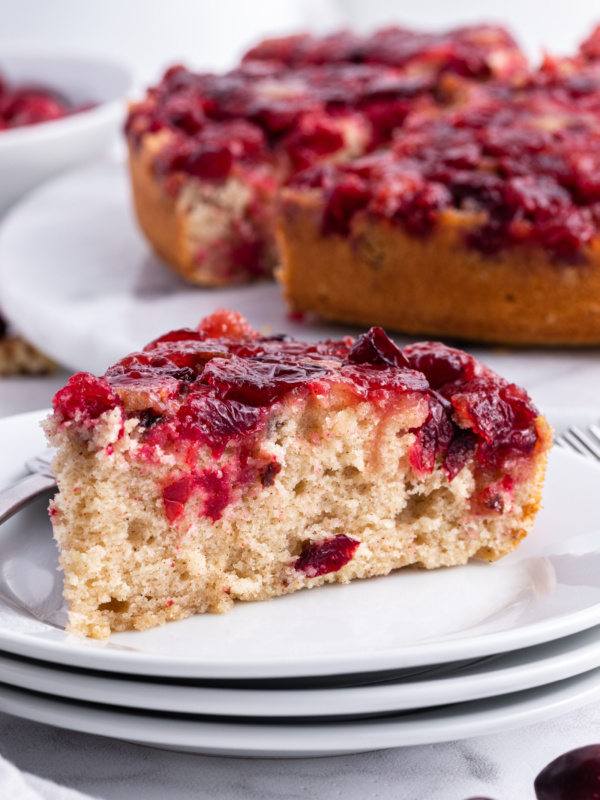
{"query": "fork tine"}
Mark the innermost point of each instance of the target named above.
(568, 443)
(595, 431)
(581, 442)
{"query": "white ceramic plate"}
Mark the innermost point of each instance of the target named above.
(436, 686)
(285, 739)
(548, 588)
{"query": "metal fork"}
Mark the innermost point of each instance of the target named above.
(585, 443)
(40, 479)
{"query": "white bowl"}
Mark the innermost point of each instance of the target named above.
(31, 154)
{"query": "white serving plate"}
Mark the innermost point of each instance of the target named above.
(548, 588)
(288, 740)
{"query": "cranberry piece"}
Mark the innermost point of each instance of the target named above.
(321, 558)
(502, 416)
(85, 398)
(180, 335)
(441, 364)
(213, 486)
(214, 421)
(229, 324)
(211, 162)
(314, 138)
(269, 472)
(351, 194)
(217, 492)
(258, 383)
(376, 348)
(433, 437)
(140, 368)
(460, 451)
(572, 776)
(184, 112)
(175, 496)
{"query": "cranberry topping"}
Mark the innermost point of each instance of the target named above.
(261, 382)
(180, 335)
(475, 51)
(188, 389)
(502, 416)
(572, 776)
(321, 558)
(214, 421)
(85, 398)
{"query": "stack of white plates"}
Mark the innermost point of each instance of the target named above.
(413, 658)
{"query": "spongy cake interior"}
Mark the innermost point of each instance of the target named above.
(344, 469)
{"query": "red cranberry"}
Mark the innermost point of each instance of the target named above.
(229, 324)
(214, 422)
(258, 383)
(181, 335)
(376, 348)
(85, 398)
(214, 488)
(350, 195)
(175, 496)
(572, 776)
(321, 558)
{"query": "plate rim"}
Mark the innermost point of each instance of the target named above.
(467, 683)
(256, 739)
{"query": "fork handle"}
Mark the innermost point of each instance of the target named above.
(15, 497)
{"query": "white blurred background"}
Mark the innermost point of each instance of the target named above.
(213, 33)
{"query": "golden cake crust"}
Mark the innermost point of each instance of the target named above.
(435, 285)
(158, 216)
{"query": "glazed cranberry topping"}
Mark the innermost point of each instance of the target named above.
(474, 51)
(321, 558)
(526, 167)
(188, 389)
(514, 148)
(30, 105)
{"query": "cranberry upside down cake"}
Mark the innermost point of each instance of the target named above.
(433, 183)
(220, 465)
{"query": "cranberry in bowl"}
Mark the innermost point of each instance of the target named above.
(69, 109)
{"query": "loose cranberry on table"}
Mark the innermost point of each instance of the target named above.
(572, 776)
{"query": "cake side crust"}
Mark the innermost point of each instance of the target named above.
(208, 231)
(381, 275)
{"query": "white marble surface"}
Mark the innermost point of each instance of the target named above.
(501, 766)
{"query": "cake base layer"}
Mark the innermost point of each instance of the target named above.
(435, 285)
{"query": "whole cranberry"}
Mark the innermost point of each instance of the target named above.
(573, 776)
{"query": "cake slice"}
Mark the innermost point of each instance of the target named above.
(220, 465)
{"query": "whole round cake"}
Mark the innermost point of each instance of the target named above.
(434, 184)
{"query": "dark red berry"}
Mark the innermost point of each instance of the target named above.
(321, 558)
(572, 776)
